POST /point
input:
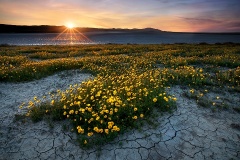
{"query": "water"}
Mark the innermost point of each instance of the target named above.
(115, 37)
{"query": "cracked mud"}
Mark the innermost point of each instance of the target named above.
(190, 132)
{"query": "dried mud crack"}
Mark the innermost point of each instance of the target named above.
(190, 132)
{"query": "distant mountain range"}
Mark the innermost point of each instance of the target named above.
(5, 28)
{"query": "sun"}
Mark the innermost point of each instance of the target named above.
(70, 25)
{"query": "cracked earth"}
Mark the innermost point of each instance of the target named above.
(190, 132)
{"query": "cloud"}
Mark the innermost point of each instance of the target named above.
(212, 25)
(174, 15)
(232, 26)
(200, 20)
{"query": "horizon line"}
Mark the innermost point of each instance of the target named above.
(112, 28)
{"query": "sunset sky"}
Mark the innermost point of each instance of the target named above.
(167, 15)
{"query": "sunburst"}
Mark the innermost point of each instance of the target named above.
(71, 35)
(70, 25)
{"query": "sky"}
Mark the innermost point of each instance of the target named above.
(166, 15)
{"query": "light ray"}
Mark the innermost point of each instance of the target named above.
(83, 35)
(56, 38)
(72, 36)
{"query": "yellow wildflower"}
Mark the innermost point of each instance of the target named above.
(102, 112)
(165, 98)
(90, 134)
(135, 117)
(97, 118)
(80, 129)
(106, 131)
(115, 128)
(98, 94)
(95, 129)
(31, 104)
(71, 111)
(192, 91)
(90, 109)
(110, 124)
(154, 100)
(100, 131)
(82, 110)
(117, 104)
(52, 102)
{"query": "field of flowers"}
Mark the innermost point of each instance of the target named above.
(129, 81)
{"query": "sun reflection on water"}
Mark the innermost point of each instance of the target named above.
(72, 36)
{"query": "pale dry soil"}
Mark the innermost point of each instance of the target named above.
(190, 132)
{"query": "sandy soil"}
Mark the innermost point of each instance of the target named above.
(190, 132)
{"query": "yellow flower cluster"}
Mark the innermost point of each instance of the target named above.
(106, 103)
(166, 99)
(80, 130)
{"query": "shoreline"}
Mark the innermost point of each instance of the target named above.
(117, 38)
(96, 43)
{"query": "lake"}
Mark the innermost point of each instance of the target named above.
(115, 37)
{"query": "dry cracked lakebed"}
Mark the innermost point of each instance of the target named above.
(190, 132)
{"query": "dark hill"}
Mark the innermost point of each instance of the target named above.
(4, 28)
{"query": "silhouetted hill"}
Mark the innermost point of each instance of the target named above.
(4, 28)
(30, 29)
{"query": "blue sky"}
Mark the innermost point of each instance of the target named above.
(167, 15)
